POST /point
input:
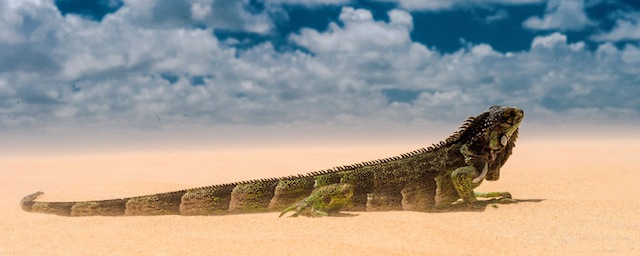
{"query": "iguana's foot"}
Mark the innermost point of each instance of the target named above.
(323, 201)
(463, 206)
(501, 197)
(493, 194)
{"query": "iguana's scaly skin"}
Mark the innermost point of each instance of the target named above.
(422, 180)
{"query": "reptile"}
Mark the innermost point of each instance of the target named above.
(432, 178)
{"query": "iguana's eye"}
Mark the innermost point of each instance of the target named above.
(509, 116)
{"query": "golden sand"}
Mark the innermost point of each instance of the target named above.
(583, 200)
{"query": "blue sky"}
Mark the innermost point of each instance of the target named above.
(151, 64)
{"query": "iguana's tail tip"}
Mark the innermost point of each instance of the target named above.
(27, 201)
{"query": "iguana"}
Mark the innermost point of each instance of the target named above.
(422, 180)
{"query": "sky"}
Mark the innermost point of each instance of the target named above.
(147, 65)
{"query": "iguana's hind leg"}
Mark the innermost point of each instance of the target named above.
(323, 201)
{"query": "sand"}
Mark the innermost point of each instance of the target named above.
(579, 197)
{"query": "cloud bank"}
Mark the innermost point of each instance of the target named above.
(136, 69)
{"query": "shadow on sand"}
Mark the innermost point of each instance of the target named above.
(482, 205)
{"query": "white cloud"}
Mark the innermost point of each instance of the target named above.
(561, 14)
(556, 41)
(627, 28)
(499, 15)
(435, 5)
(401, 18)
(21, 20)
(631, 54)
(215, 14)
(349, 14)
(426, 5)
(360, 31)
(483, 50)
(200, 11)
(308, 2)
(549, 41)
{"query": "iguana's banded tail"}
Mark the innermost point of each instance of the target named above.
(113, 207)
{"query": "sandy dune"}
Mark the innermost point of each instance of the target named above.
(580, 197)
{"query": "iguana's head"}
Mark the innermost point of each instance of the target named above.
(500, 125)
(492, 129)
(492, 134)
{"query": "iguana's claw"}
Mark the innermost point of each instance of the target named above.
(506, 198)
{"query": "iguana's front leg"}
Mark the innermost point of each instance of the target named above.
(462, 179)
(323, 201)
(466, 178)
